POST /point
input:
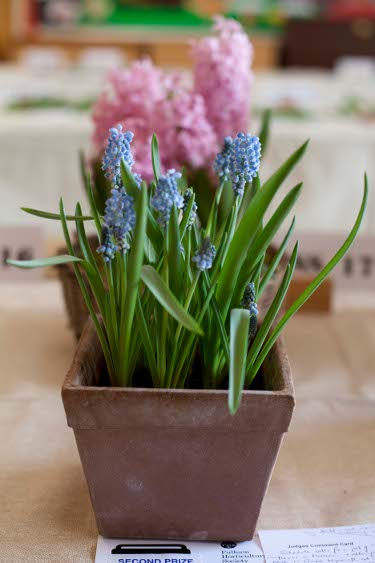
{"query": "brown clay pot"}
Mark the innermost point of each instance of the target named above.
(174, 464)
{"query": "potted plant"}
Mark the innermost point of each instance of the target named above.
(178, 397)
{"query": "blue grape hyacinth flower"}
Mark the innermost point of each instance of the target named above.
(118, 147)
(222, 160)
(188, 194)
(107, 247)
(166, 195)
(239, 161)
(119, 217)
(248, 302)
(205, 256)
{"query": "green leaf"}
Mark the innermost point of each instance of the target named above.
(183, 182)
(247, 229)
(94, 211)
(154, 233)
(86, 296)
(316, 282)
(174, 254)
(165, 297)
(90, 266)
(265, 130)
(239, 340)
(129, 181)
(155, 157)
(264, 238)
(43, 262)
(270, 316)
(218, 318)
(133, 278)
(276, 259)
(146, 339)
(101, 186)
(186, 216)
(55, 216)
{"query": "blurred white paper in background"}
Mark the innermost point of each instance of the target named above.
(43, 59)
(100, 59)
(355, 272)
(360, 68)
(351, 544)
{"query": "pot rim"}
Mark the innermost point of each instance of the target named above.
(91, 406)
(89, 333)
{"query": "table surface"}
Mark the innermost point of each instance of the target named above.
(324, 475)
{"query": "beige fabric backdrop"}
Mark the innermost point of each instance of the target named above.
(324, 476)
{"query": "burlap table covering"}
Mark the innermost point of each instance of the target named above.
(324, 476)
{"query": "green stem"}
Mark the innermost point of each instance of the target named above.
(175, 346)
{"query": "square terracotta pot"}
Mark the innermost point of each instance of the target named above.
(174, 464)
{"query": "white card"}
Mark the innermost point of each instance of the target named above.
(344, 544)
(156, 551)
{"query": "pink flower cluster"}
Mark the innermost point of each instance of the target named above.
(223, 77)
(190, 122)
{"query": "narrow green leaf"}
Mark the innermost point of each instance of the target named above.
(43, 262)
(96, 285)
(81, 283)
(316, 282)
(168, 300)
(244, 236)
(146, 339)
(154, 233)
(155, 157)
(264, 238)
(270, 316)
(133, 278)
(183, 182)
(186, 216)
(129, 181)
(82, 239)
(239, 340)
(55, 216)
(94, 211)
(218, 318)
(90, 266)
(265, 130)
(276, 259)
(174, 254)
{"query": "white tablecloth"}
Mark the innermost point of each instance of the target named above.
(39, 149)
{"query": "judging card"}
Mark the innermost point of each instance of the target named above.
(152, 551)
(344, 544)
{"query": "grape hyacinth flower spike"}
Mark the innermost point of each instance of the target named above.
(248, 302)
(205, 256)
(119, 217)
(239, 161)
(188, 194)
(107, 247)
(118, 148)
(222, 160)
(166, 195)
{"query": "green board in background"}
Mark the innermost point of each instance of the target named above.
(145, 13)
